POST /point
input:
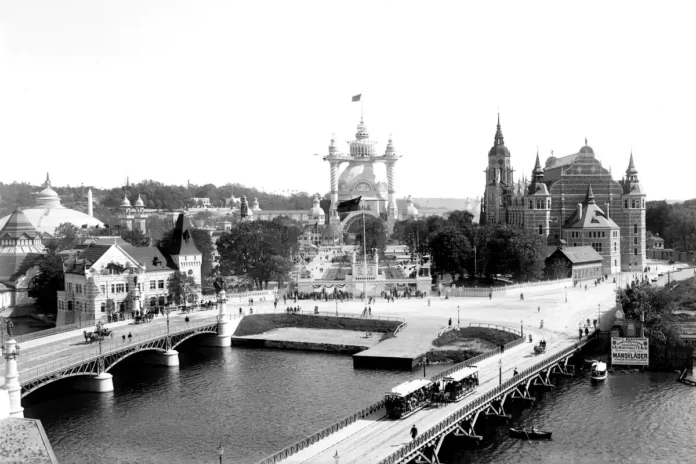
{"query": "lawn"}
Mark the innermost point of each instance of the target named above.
(260, 323)
(455, 346)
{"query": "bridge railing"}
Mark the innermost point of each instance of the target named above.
(56, 330)
(449, 422)
(114, 344)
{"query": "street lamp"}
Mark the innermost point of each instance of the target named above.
(336, 457)
(522, 327)
(500, 370)
(599, 316)
(220, 452)
(565, 292)
(475, 262)
(425, 360)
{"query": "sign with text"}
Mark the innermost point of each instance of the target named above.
(629, 351)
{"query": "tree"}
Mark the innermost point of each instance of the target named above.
(514, 251)
(656, 305)
(450, 250)
(559, 269)
(49, 279)
(182, 288)
(260, 250)
(135, 238)
(66, 236)
(681, 228)
(376, 236)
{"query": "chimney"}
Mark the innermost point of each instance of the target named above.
(579, 211)
(606, 206)
(89, 203)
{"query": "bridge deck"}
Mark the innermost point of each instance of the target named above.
(374, 438)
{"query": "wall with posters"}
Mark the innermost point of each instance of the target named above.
(629, 351)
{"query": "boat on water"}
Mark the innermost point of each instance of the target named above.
(599, 371)
(407, 398)
(458, 385)
(530, 434)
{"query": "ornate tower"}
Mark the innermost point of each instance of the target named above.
(125, 214)
(139, 223)
(632, 221)
(537, 203)
(499, 180)
(245, 213)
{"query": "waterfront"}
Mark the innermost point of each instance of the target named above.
(258, 401)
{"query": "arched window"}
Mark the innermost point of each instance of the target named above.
(70, 307)
(541, 229)
(153, 301)
(626, 203)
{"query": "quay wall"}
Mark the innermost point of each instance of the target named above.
(297, 345)
(259, 323)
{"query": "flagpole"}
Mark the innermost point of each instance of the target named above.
(364, 254)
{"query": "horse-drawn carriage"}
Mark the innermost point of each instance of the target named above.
(147, 317)
(100, 333)
(540, 348)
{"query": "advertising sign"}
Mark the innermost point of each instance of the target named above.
(629, 351)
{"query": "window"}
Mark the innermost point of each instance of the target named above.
(69, 305)
(615, 264)
(161, 301)
(548, 204)
(635, 240)
(153, 285)
(153, 301)
(127, 289)
(633, 203)
(70, 286)
(615, 249)
(626, 203)
(597, 247)
(102, 289)
(103, 307)
(531, 204)
(541, 230)
(61, 304)
(78, 306)
(160, 284)
(635, 228)
(635, 252)
(120, 288)
(643, 203)
(602, 234)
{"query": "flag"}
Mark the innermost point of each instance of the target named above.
(356, 98)
(349, 205)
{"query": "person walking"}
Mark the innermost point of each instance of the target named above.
(450, 322)
(129, 337)
(414, 432)
(579, 334)
(124, 338)
(428, 302)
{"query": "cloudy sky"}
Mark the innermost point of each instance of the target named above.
(248, 91)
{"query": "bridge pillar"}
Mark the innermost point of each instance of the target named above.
(225, 328)
(101, 383)
(169, 358)
(14, 391)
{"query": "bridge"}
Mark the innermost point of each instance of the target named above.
(368, 436)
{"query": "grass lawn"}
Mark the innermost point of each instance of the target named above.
(260, 323)
(459, 345)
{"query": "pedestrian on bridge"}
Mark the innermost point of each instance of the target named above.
(538, 309)
(129, 337)
(450, 322)
(414, 432)
(124, 338)
(579, 334)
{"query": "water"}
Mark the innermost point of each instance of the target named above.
(258, 401)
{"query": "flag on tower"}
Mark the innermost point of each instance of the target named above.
(349, 205)
(356, 98)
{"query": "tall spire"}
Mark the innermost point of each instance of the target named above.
(538, 170)
(631, 171)
(498, 134)
(589, 198)
(47, 183)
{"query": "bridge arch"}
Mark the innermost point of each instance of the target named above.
(181, 340)
(33, 387)
(128, 354)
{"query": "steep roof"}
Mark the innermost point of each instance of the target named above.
(152, 257)
(17, 225)
(13, 266)
(592, 215)
(579, 255)
(182, 241)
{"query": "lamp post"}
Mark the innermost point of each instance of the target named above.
(166, 311)
(565, 292)
(500, 370)
(475, 269)
(599, 316)
(221, 451)
(336, 457)
(425, 360)
(522, 327)
(457, 315)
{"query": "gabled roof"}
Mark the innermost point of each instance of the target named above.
(13, 266)
(592, 215)
(579, 255)
(182, 241)
(152, 257)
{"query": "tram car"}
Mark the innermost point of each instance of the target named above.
(459, 385)
(407, 398)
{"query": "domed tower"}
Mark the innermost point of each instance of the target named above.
(411, 210)
(537, 212)
(315, 212)
(125, 214)
(632, 221)
(255, 206)
(499, 180)
(140, 221)
(245, 213)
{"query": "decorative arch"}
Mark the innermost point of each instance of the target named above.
(354, 215)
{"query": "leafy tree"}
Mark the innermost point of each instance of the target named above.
(514, 251)
(182, 288)
(450, 250)
(49, 279)
(559, 269)
(66, 236)
(656, 305)
(260, 250)
(135, 238)
(681, 228)
(375, 233)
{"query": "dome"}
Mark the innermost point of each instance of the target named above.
(587, 149)
(499, 150)
(48, 198)
(550, 161)
(362, 146)
(316, 212)
(410, 208)
(255, 205)
(139, 201)
(390, 151)
(126, 201)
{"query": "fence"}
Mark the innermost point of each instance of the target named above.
(115, 344)
(324, 433)
(449, 423)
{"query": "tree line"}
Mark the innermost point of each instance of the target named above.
(675, 223)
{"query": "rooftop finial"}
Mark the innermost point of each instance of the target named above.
(585, 141)
(47, 183)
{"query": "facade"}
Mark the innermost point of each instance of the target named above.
(21, 248)
(103, 278)
(547, 203)
(655, 242)
(363, 176)
(48, 213)
(583, 262)
(132, 217)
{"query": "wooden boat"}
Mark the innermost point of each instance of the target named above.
(529, 434)
(599, 371)
(460, 384)
(407, 398)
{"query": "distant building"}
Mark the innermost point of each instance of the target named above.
(581, 262)
(201, 201)
(549, 203)
(655, 242)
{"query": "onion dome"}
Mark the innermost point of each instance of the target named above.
(126, 201)
(410, 208)
(255, 205)
(499, 148)
(139, 201)
(362, 146)
(586, 149)
(316, 212)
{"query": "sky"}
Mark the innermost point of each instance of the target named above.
(249, 91)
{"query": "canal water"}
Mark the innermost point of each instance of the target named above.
(257, 401)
